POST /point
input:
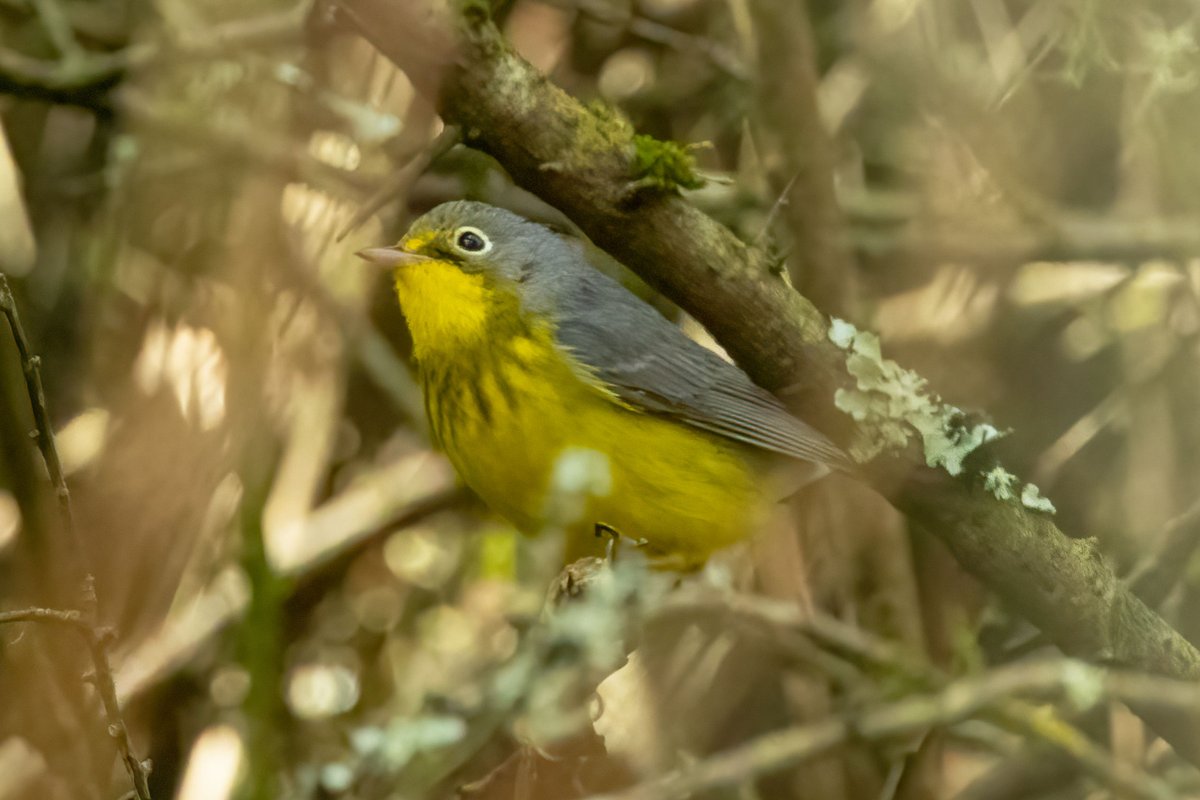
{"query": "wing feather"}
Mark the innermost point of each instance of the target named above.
(648, 363)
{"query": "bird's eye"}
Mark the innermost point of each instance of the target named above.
(472, 240)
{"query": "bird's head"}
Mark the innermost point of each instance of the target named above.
(462, 267)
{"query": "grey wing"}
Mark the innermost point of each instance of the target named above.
(652, 365)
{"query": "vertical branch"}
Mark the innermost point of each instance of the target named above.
(97, 640)
(31, 367)
(261, 641)
(798, 154)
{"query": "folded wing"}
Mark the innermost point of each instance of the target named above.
(650, 364)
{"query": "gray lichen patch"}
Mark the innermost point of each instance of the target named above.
(1001, 483)
(1003, 486)
(891, 403)
(1031, 498)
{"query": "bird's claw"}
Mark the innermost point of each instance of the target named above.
(610, 547)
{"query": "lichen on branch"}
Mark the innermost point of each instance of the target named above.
(892, 404)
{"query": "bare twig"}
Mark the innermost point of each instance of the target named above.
(31, 367)
(1059, 678)
(887, 223)
(1153, 578)
(797, 155)
(408, 169)
(1039, 723)
(780, 201)
(84, 621)
(68, 617)
(97, 642)
(880, 657)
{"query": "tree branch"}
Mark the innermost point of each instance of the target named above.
(579, 158)
(84, 622)
(798, 155)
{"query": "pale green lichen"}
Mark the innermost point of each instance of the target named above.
(842, 333)
(890, 403)
(1001, 483)
(1084, 685)
(1031, 498)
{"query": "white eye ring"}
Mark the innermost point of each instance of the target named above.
(466, 237)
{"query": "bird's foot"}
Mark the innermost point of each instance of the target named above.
(610, 547)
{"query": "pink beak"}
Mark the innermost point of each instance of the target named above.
(391, 257)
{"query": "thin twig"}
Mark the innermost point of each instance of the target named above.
(84, 621)
(69, 617)
(1153, 578)
(31, 366)
(779, 203)
(97, 642)
(406, 171)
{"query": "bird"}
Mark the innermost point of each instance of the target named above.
(569, 404)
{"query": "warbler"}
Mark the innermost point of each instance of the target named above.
(566, 402)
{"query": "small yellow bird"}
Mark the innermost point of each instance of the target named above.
(569, 404)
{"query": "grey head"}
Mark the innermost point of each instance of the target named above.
(482, 238)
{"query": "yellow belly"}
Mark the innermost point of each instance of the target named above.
(552, 451)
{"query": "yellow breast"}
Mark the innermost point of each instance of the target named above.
(553, 451)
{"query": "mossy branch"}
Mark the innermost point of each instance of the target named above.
(581, 159)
